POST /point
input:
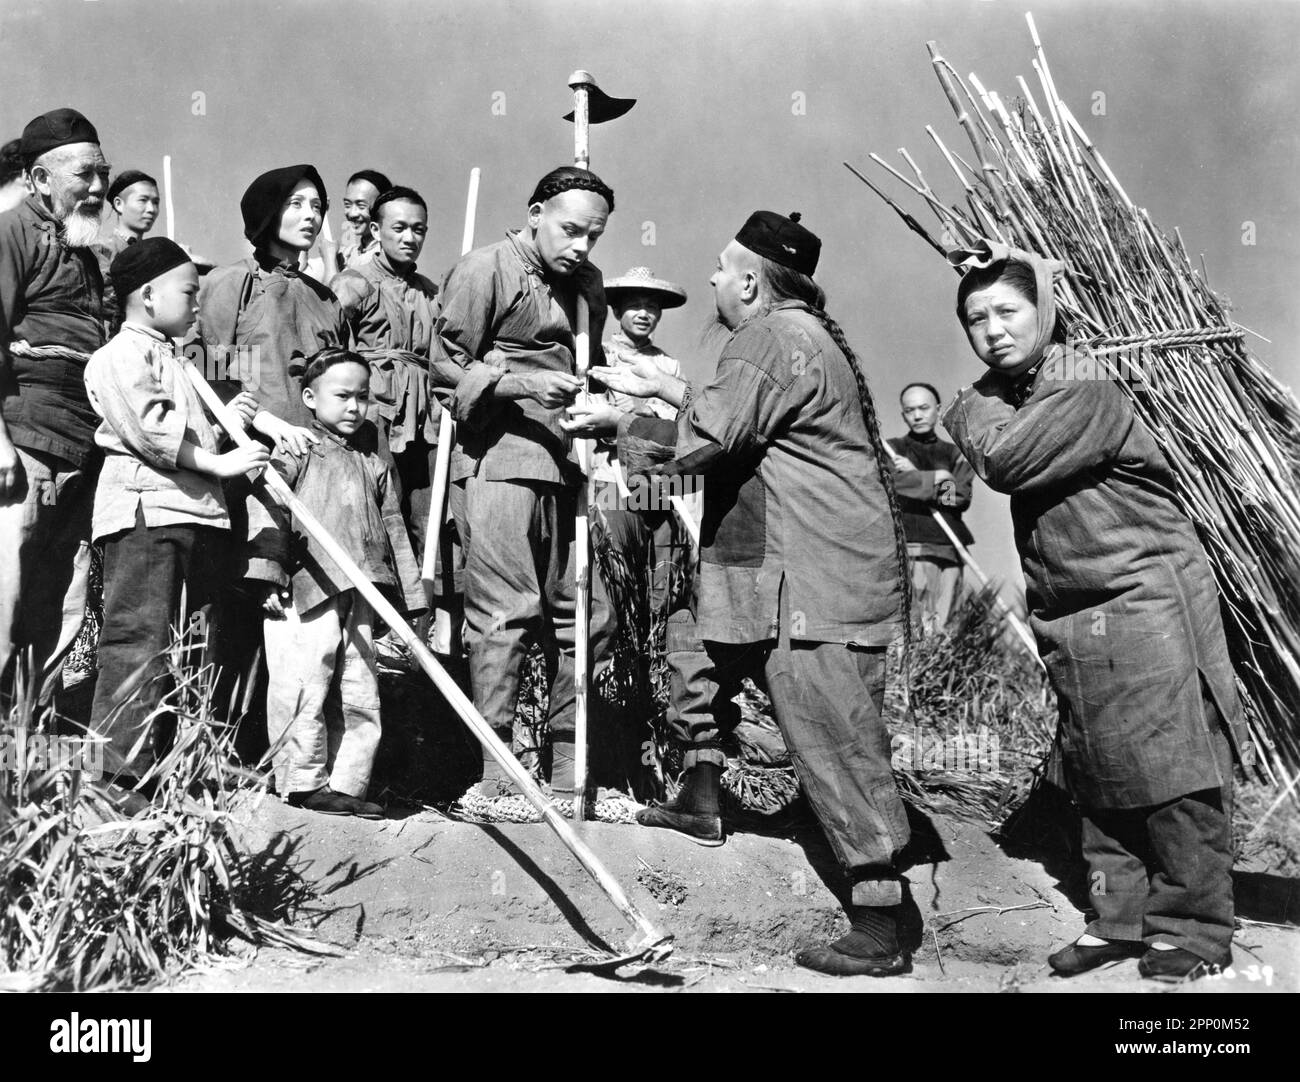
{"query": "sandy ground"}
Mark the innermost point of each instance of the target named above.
(426, 904)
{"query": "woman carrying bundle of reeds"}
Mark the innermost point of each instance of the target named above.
(1126, 615)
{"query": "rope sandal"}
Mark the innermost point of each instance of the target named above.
(610, 806)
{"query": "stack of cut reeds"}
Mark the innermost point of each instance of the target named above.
(1133, 300)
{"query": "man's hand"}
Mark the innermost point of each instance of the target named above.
(241, 460)
(287, 437)
(942, 477)
(273, 602)
(902, 464)
(640, 377)
(11, 470)
(243, 406)
(595, 417)
(550, 389)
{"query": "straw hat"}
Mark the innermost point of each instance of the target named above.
(642, 280)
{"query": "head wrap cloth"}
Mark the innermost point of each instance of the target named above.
(264, 200)
(985, 253)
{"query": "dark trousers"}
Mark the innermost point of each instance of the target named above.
(44, 560)
(827, 699)
(415, 465)
(1163, 874)
(146, 569)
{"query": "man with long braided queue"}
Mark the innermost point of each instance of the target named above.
(51, 320)
(803, 573)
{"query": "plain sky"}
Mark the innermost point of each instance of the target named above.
(741, 106)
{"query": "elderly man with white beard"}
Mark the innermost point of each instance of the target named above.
(51, 320)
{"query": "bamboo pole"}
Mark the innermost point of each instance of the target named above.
(648, 938)
(1017, 625)
(169, 207)
(446, 426)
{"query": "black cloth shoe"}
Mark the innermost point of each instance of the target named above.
(871, 949)
(365, 809)
(325, 801)
(1178, 965)
(837, 964)
(1075, 959)
(696, 811)
(701, 829)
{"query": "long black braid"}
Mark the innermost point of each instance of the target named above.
(782, 283)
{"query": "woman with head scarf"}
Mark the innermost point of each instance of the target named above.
(1126, 615)
(258, 315)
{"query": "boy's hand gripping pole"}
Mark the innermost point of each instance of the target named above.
(649, 941)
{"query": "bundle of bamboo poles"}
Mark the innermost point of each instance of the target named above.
(1134, 302)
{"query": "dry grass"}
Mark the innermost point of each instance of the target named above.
(94, 899)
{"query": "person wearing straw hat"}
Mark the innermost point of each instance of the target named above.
(638, 300)
(1126, 614)
(803, 575)
(51, 320)
(505, 328)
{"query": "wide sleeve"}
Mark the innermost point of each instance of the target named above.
(211, 345)
(749, 400)
(125, 390)
(1064, 428)
(354, 295)
(463, 330)
(963, 478)
(270, 526)
(13, 275)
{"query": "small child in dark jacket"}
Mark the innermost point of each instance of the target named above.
(323, 690)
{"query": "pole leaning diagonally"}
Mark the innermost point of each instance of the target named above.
(648, 940)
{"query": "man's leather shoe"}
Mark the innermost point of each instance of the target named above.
(1178, 965)
(1075, 959)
